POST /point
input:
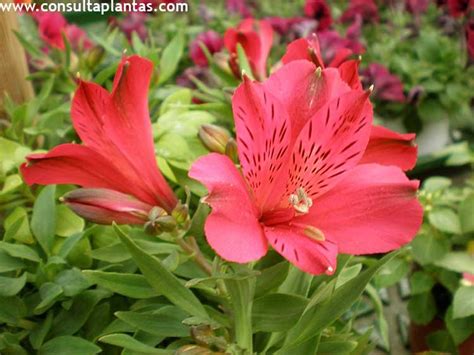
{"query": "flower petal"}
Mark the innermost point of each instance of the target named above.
(76, 164)
(232, 229)
(309, 255)
(387, 147)
(129, 126)
(330, 144)
(263, 138)
(374, 209)
(304, 48)
(303, 91)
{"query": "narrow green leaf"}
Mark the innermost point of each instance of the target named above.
(127, 342)
(457, 261)
(130, 285)
(244, 62)
(43, 221)
(166, 322)
(68, 345)
(170, 58)
(271, 277)
(277, 312)
(336, 347)
(68, 223)
(163, 281)
(315, 319)
(466, 211)
(422, 308)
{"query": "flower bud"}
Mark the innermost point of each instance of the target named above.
(231, 149)
(180, 213)
(104, 206)
(95, 56)
(159, 221)
(214, 138)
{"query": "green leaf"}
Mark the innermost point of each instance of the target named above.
(72, 281)
(43, 221)
(17, 226)
(20, 251)
(39, 333)
(348, 273)
(336, 347)
(130, 285)
(445, 220)
(277, 312)
(316, 318)
(177, 101)
(69, 321)
(463, 302)
(12, 155)
(466, 211)
(392, 272)
(422, 308)
(436, 183)
(127, 342)
(441, 341)
(421, 282)
(9, 263)
(10, 286)
(460, 328)
(49, 293)
(166, 322)
(171, 57)
(68, 223)
(244, 62)
(427, 248)
(458, 261)
(163, 281)
(270, 278)
(68, 345)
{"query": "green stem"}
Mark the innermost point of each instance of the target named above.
(241, 293)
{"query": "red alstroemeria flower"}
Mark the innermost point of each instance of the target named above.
(385, 146)
(209, 39)
(52, 26)
(367, 9)
(301, 136)
(256, 39)
(320, 11)
(117, 152)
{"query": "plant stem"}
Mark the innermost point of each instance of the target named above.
(192, 248)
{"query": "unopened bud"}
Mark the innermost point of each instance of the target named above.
(231, 149)
(180, 213)
(104, 206)
(166, 223)
(214, 138)
(95, 56)
(155, 213)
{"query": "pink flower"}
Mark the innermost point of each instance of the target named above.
(301, 135)
(417, 7)
(211, 40)
(117, 151)
(52, 26)
(256, 39)
(367, 9)
(458, 8)
(388, 87)
(320, 11)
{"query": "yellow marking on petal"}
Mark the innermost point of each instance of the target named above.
(314, 233)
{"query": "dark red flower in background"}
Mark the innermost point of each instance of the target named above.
(388, 87)
(319, 11)
(417, 7)
(132, 22)
(239, 7)
(458, 8)
(470, 39)
(211, 40)
(367, 9)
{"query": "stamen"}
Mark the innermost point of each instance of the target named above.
(300, 201)
(314, 233)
